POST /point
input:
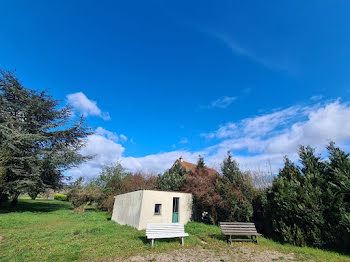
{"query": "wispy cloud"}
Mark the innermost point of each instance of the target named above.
(259, 125)
(247, 90)
(222, 102)
(183, 141)
(123, 137)
(237, 49)
(85, 106)
(316, 97)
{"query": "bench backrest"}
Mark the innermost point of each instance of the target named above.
(239, 228)
(165, 229)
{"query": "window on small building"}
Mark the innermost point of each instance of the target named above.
(157, 209)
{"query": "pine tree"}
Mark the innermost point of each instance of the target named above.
(336, 199)
(236, 190)
(295, 202)
(172, 179)
(283, 208)
(41, 140)
(200, 162)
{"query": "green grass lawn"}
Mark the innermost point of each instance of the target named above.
(47, 230)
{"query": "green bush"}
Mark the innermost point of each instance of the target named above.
(61, 197)
(85, 196)
(308, 204)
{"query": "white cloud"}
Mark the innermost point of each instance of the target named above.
(228, 130)
(321, 125)
(222, 102)
(108, 134)
(257, 143)
(260, 125)
(123, 138)
(316, 98)
(157, 162)
(85, 106)
(105, 149)
(183, 141)
(328, 123)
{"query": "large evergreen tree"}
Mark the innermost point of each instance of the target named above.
(237, 191)
(40, 139)
(172, 179)
(336, 199)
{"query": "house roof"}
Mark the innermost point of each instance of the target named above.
(192, 167)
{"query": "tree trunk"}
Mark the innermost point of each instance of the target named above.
(15, 199)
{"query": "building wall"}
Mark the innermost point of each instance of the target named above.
(136, 209)
(127, 208)
(152, 197)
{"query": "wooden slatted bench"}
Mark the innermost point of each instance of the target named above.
(239, 229)
(162, 230)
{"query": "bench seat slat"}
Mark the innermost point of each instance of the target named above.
(157, 236)
(242, 234)
(237, 223)
(239, 229)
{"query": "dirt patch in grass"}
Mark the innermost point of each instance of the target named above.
(244, 253)
(1, 238)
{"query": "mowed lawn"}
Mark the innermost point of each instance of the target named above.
(47, 230)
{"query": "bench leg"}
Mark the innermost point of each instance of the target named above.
(182, 241)
(152, 241)
(256, 240)
(230, 240)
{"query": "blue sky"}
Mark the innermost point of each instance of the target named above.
(160, 79)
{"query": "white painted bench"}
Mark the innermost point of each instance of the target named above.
(162, 230)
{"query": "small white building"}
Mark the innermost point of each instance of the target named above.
(139, 208)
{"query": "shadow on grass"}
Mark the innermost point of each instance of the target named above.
(33, 206)
(224, 238)
(220, 237)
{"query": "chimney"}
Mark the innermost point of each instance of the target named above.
(181, 159)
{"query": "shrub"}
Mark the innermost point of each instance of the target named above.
(81, 197)
(107, 203)
(61, 197)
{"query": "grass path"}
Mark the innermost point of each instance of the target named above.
(47, 230)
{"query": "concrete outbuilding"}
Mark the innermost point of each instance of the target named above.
(139, 208)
